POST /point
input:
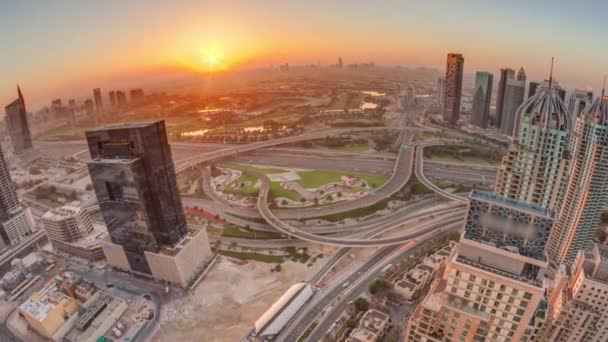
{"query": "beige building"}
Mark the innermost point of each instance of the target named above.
(71, 231)
(47, 310)
(494, 286)
(371, 328)
(584, 315)
(177, 265)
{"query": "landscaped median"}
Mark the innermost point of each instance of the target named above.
(295, 188)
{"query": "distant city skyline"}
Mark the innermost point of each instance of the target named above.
(198, 39)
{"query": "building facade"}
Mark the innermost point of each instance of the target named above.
(134, 179)
(493, 287)
(440, 91)
(533, 86)
(69, 229)
(17, 124)
(453, 88)
(584, 316)
(585, 194)
(535, 168)
(579, 99)
(505, 75)
(515, 90)
(482, 96)
(98, 100)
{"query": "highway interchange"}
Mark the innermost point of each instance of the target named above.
(416, 223)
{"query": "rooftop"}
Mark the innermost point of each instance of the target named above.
(61, 213)
(517, 204)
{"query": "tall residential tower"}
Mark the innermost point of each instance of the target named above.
(505, 75)
(536, 165)
(453, 87)
(482, 95)
(585, 194)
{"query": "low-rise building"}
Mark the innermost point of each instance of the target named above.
(371, 328)
(47, 310)
(71, 231)
(97, 319)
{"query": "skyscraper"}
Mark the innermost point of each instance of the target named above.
(533, 87)
(112, 96)
(97, 99)
(494, 287)
(17, 125)
(440, 91)
(536, 165)
(505, 75)
(453, 88)
(521, 75)
(482, 95)
(586, 193)
(515, 90)
(579, 99)
(15, 222)
(121, 98)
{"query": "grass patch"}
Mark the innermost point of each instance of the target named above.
(249, 180)
(360, 212)
(356, 148)
(236, 232)
(412, 188)
(307, 332)
(272, 259)
(276, 190)
(263, 170)
(463, 154)
(315, 179)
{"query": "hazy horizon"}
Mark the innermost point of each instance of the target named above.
(65, 48)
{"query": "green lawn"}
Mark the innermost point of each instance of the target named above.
(248, 190)
(274, 259)
(315, 179)
(233, 231)
(352, 148)
(276, 190)
(264, 170)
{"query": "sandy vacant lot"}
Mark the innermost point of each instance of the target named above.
(226, 304)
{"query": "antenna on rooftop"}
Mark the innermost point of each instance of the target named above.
(551, 74)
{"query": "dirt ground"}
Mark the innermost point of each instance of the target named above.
(228, 301)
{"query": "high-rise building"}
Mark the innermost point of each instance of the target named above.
(112, 96)
(536, 165)
(340, 63)
(584, 316)
(89, 107)
(16, 223)
(585, 194)
(134, 179)
(9, 202)
(97, 99)
(121, 98)
(515, 90)
(505, 75)
(579, 99)
(521, 75)
(482, 96)
(136, 94)
(453, 88)
(494, 286)
(440, 91)
(17, 125)
(533, 87)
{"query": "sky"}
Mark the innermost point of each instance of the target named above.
(64, 48)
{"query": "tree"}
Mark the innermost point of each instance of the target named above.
(73, 195)
(351, 323)
(339, 194)
(361, 304)
(379, 286)
(316, 201)
(52, 188)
